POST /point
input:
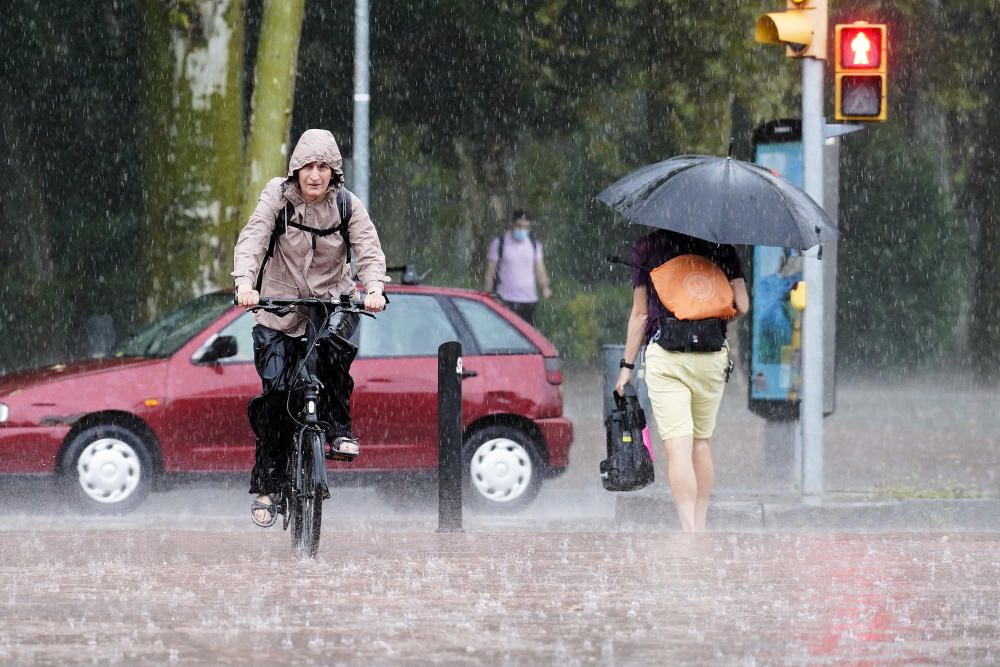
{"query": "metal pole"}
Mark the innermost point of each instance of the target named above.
(811, 409)
(362, 100)
(450, 437)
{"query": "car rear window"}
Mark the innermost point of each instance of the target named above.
(414, 325)
(493, 333)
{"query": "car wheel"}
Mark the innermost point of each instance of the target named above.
(502, 469)
(108, 468)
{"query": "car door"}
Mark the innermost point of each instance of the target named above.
(394, 406)
(508, 365)
(208, 402)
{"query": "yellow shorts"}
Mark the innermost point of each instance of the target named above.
(685, 390)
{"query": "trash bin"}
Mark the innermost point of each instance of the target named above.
(612, 355)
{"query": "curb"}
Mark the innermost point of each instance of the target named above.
(873, 514)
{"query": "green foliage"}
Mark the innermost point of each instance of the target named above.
(904, 255)
(479, 108)
(579, 319)
(419, 211)
(98, 267)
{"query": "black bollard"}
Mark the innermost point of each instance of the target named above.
(450, 437)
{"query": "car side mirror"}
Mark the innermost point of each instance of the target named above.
(222, 347)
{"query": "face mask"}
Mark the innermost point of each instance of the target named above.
(519, 234)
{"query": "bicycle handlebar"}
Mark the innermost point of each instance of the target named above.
(283, 306)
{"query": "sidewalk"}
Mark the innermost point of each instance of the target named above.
(930, 441)
(841, 512)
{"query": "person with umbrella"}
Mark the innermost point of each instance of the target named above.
(685, 386)
(700, 205)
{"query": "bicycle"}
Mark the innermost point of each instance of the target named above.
(301, 498)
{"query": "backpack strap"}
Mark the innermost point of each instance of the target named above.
(284, 220)
(345, 205)
(280, 224)
(496, 276)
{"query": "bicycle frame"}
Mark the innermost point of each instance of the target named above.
(307, 485)
(309, 410)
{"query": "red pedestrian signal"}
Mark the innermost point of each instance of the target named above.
(860, 78)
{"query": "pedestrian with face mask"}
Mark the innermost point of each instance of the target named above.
(515, 268)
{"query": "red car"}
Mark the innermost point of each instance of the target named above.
(173, 399)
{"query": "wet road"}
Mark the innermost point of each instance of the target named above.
(186, 580)
(405, 595)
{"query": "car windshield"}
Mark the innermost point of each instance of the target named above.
(165, 336)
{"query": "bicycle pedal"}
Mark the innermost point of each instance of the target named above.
(337, 456)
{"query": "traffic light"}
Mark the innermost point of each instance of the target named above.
(860, 71)
(802, 28)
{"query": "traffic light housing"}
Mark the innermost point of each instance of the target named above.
(860, 80)
(802, 29)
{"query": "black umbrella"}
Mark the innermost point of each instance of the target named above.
(722, 200)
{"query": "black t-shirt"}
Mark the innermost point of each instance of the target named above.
(661, 246)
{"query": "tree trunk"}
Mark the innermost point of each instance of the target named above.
(984, 332)
(193, 150)
(273, 96)
(980, 199)
(486, 188)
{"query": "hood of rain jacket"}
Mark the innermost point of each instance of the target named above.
(318, 146)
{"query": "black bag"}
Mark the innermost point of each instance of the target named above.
(629, 466)
(691, 335)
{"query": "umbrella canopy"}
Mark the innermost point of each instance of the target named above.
(722, 200)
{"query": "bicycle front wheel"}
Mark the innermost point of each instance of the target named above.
(296, 511)
(308, 515)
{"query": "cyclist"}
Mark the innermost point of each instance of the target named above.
(309, 259)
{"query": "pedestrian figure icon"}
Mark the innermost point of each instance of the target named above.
(860, 46)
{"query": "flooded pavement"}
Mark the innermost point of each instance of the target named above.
(149, 596)
(186, 579)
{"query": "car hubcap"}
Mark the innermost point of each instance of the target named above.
(108, 470)
(501, 470)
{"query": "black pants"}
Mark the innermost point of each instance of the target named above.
(526, 311)
(277, 357)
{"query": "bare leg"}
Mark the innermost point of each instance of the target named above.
(683, 483)
(704, 472)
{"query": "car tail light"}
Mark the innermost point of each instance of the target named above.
(553, 370)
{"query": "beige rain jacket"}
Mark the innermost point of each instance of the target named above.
(296, 269)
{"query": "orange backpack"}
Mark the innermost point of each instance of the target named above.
(692, 287)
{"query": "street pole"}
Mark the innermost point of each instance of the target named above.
(450, 437)
(811, 408)
(362, 100)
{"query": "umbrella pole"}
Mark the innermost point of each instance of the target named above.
(811, 408)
